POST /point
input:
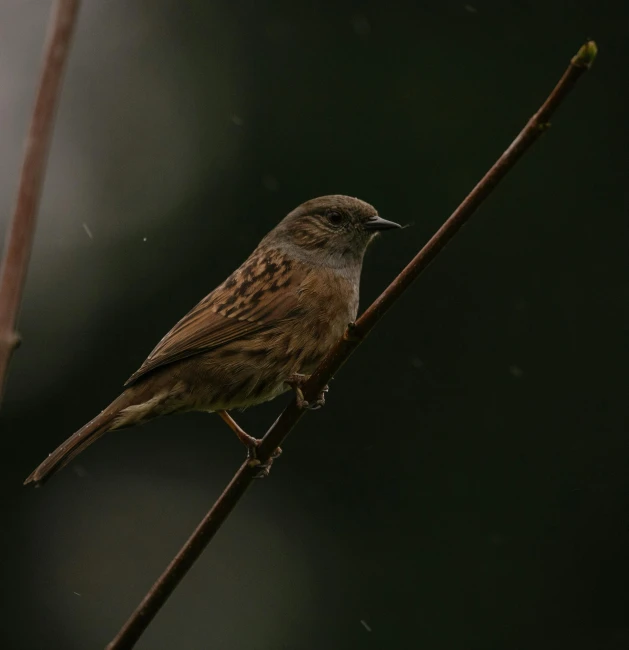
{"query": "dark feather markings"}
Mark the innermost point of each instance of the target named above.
(246, 303)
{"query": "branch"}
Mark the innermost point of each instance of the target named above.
(355, 334)
(19, 241)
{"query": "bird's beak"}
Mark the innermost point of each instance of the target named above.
(378, 223)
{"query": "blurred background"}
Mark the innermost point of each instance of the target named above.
(467, 485)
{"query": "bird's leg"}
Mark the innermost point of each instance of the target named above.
(296, 381)
(250, 443)
(247, 440)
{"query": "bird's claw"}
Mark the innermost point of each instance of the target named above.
(303, 403)
(264, 469)
(252, 444)
(296, 382)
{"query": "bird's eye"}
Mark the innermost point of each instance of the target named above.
(334, 217)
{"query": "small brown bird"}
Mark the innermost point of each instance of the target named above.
(261, 332)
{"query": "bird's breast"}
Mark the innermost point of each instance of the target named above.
(328, 302)
(255, 368)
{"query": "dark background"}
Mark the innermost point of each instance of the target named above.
(467, 485)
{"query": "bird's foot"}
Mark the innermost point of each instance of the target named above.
(264, 469)
(251, 444)
(296, 381)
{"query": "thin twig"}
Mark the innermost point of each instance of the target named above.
(19, 241)
(192, 549)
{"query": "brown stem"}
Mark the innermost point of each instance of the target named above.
(19, 241)
(192, 549)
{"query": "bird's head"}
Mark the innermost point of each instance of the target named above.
(330, 231)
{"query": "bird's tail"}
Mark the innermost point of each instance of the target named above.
(79, 441)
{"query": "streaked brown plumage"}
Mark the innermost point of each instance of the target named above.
(275, 317)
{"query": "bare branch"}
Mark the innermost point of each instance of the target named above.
(19, 241)
(192, 549)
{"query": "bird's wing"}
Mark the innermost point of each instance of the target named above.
(259, 295)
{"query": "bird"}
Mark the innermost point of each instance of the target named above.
(259, 334)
